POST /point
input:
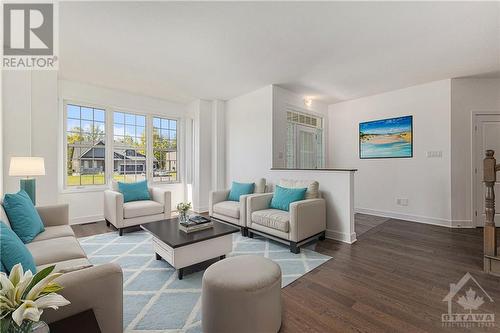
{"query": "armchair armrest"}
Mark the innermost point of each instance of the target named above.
(307, 218)
(164, 197)
(99, 288)
(257, 202)
(215, 197)
(54, 215)
(113, 207)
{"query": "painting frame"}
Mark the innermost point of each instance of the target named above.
(411, 128)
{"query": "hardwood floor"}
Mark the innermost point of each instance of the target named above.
(393, 279)
(364, 222)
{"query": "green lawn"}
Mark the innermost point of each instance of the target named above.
(98, 179)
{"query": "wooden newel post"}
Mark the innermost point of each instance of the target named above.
(490, 177)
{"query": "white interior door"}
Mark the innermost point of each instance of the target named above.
(487, 136)
(306, 147)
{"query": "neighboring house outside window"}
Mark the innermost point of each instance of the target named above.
(129, 147)
(129, 160)
(85, 145)
(165, 150)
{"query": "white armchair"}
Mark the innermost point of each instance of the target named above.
(233, 212)
(305, 219)
(123, 215)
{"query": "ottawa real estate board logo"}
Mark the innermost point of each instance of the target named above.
(469, 305)
(29, 36)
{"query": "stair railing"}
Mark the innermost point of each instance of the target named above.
(491, 168)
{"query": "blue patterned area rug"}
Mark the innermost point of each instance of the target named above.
(155, 300)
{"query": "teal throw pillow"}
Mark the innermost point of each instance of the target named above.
(13, 251)
(284, 196)
(239, 189)
(134, 191)
(23, 216)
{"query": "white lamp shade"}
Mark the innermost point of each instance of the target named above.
(26, 166)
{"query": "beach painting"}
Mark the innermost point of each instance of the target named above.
(387, 138)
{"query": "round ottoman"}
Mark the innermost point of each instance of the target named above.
(242, 294)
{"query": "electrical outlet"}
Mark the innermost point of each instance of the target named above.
(435, 154)
(402, 202)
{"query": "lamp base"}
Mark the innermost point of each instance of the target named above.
(29, 186)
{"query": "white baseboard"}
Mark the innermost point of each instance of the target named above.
(462, 224)
(86, 219)
(341, 236)
(417, 218)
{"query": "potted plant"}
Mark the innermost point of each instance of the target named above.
(24, 296)
(183, 208)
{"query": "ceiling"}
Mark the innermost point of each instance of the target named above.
(331, 51)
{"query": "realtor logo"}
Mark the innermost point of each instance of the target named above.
(28, 36)
(464, 301)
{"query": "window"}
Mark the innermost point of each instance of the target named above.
(85, 145)
(129, 147)
(304, 148)
(164, 150)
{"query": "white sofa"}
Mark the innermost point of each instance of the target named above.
(233, 212)
(99, 287)
(122, 215)
(305, 219)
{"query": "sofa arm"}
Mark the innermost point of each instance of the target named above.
(164, 197)
(257, 202)
(54, 215)
(215, 197)
(99, 288)
(307, 218)
(113, 207)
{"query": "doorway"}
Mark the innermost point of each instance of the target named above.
(486, 135)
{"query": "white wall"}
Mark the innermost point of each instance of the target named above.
(467, 96)
(282, 99)
(249, 156)
(425, 182)
(29, 127)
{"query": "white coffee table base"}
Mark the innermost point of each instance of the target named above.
(187, 255)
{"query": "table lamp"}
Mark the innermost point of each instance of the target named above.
(27, 167)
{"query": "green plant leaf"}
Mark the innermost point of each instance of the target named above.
(37, 278)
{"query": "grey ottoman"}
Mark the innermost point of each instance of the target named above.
(242, 295)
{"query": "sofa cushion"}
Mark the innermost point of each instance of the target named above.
(55, 232)
(141, 208)
(54, 250)
(134, 191)
(311, 185)
(283, 197)
(260, 186)
(3, 216)
(23, 216)
(66, 264)
(228, 208)
(13, 251)
(272, 218)
(239, 189)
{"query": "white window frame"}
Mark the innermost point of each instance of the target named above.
(178, 129)
(109, 134)
(82, 188)
(146, 129)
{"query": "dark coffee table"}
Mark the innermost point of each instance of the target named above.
(182, 249)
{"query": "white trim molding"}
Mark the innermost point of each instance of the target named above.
(417, 218)
(341, 236)
(86, 219)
